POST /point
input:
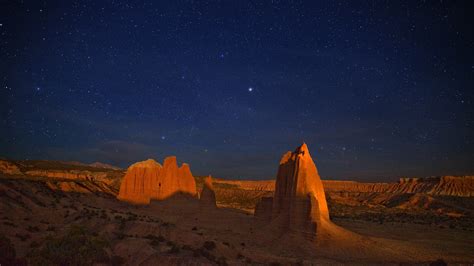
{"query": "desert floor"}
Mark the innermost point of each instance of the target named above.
(181, 231)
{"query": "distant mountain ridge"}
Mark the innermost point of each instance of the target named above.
(65, 176)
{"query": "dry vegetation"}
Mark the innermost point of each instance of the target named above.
(41, 226)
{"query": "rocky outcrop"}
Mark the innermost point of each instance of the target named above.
(70, 174)
(208, 196)
(148, 180)
(299, 203)
(9, 168)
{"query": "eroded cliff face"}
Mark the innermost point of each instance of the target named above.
(457, 186)
(148, 180)
(460, 186)
(65, 176)
(71, 174)
(298, 179)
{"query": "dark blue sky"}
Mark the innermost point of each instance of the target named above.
(377, 89)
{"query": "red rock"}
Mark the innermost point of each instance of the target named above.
(208, 196)
(299, 203)
(149, 180)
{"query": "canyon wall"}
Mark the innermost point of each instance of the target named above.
(459, 186)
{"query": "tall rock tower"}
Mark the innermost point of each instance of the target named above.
(208, 196)
(299, 203)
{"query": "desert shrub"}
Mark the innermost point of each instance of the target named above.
(221, 261)
(50, 228)
(9, 224)
(76, 247)
(187, 247)
(438, 262)
(120, 235)
(116, 260)
(122, 225)
(155, 242)
(33, 229)
(203, 252)
(8, 253)
(174, 249)
(22, 237)
(156, 239)
(209, 245)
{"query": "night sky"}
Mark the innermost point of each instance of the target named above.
(377, 89)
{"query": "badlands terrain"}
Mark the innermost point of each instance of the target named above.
(69, 213)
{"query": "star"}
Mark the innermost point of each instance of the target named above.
(250, 89)
(163, 137)
(38, 88)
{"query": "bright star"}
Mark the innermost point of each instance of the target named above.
(250, 89)
(38, 88)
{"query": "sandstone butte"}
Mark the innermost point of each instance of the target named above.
(299, 203)
(208, 196)
(149, 180)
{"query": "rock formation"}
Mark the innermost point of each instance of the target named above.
(208, 196)
(299, 203)
(9, 168)
(148, 180)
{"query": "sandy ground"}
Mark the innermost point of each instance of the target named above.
(238, 238)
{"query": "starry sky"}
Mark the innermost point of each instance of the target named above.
(377, 89)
